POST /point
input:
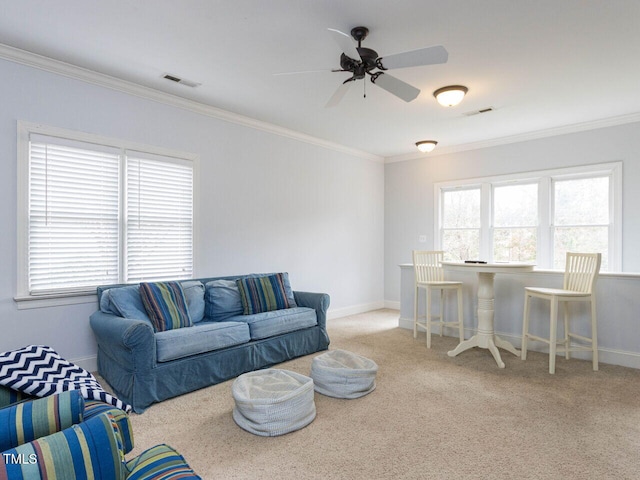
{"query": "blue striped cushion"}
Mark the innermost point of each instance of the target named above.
(263, 294)
(87, 450)
(27, 421)
(159, 463)
(166, 305)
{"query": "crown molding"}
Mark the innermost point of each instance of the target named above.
(58, 67)
(523, 137)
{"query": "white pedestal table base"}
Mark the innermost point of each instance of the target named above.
(486, 337)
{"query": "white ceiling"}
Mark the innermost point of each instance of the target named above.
(540, 64)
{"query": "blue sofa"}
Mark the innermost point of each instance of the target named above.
(143, 366)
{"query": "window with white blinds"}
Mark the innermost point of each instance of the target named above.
(159, 230)
(73, 216)
(101, 214)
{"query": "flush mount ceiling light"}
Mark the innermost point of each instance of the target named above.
(425, 146)
(450, 96)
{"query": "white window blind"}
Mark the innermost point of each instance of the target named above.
(159, 227)
(98, 211)
(73, 216)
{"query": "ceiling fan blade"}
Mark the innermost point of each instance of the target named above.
(345, 43)
(397, 87)
(415, 58)
(338, 94)
(302, 71)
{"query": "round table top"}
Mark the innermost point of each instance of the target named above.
(497, 267)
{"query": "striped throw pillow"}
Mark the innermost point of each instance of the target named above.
(166, 305)
(263, 294)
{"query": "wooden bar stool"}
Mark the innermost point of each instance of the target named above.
(580, 276)
(429, 275)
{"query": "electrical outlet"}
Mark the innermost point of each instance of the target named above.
(422, 239)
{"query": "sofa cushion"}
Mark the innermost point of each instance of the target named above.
(165, 304)
(200, 338)
(263, 294)
(194, 293)
(126, 302)
(276, 322)
(222, 300)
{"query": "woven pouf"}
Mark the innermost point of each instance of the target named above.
(273, 402)
(343, 374)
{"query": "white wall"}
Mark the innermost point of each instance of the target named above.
(409, 212)
(266, 202)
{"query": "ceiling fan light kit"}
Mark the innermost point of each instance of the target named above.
(426, 146)
(450, 96)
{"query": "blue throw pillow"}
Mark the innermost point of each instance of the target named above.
(127, 302)
(165, 304)
(263, 293)
(194, 294)
(223, 300)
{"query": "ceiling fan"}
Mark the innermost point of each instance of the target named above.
(362, 61)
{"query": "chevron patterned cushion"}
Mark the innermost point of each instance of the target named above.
(166, 305)
(39, 371)
(27, 421)
(87, 450)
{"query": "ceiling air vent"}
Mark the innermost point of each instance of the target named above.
(478, 112)
(182, 81)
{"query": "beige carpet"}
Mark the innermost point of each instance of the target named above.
(431, 416)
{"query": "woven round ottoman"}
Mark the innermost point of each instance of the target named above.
(343, 374)
(273, 402)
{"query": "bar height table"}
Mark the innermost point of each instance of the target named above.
(486, 337)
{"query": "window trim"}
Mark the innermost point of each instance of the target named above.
(23, 298)
(545, 204)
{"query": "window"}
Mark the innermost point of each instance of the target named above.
(515, 222)
(535, 217)
(581, 217)
(461, 223)
(94, 211)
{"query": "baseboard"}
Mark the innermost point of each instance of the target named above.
(88, 363)
(605, 355)
(391, 305)
(354, 310)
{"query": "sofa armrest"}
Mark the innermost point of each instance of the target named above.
(93, 408)
(9, 396)
(153, 462)
(129, 342)
(318, 301)
(28, 421)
